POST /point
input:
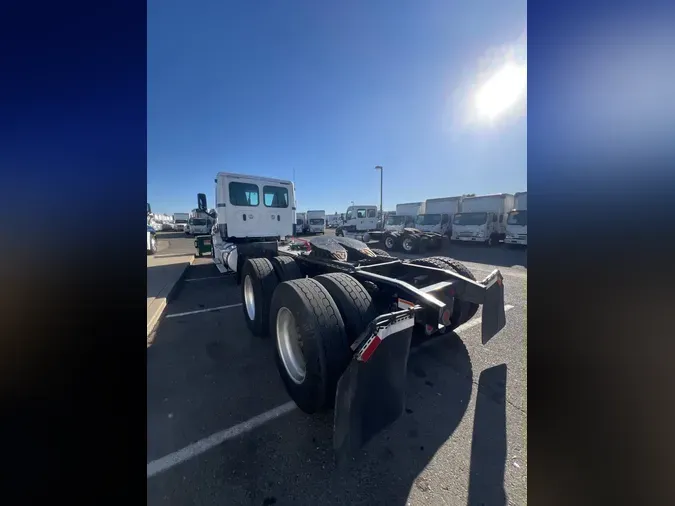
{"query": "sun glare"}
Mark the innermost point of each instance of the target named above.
(501, 91)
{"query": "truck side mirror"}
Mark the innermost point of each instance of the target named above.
(149, 210)
(201, 202)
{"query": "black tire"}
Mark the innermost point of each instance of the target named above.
(414, 244)
(462, 311)
(462, 270)
(325, 347)
(381, 252)
(286, 268)
(390, 242)
(263, 281)
(353, 301)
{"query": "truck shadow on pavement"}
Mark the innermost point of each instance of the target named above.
(291, 461)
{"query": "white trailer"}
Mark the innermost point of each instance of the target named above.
(180, 220)
(316, 221)
(437, 214)
(404, 217)
(482, 219)
(358, 220)
(516, 223)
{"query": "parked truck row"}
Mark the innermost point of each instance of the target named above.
(486, 219)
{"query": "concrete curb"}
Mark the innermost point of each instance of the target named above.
(163, 301)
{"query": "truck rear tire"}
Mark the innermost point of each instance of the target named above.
(258, 282)
(461, 269)
(286, 268)
(410, 244)
(354, 302)
(462, 311)
(389, 242)
(311, 348)
(381, 252)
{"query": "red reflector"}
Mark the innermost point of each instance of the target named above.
(446, 317)
(370, 349)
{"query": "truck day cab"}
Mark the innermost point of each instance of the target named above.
(339, 314)
(482, 219)
(316, 221)
(437, 215)
(358, 221)
(516, 223)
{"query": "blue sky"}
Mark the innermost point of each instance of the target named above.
(329, 89)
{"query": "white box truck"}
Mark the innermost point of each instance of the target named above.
(516, 223)
(404, 217)
(300, 223)
(437, 214)
(316, 221)
(482, 219)
(180, 220)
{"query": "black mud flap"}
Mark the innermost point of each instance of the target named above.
(371, 392)
(494, 315)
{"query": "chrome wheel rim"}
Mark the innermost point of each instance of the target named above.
(289, 344)
(407, 244)
(249, 299)
(389, 242)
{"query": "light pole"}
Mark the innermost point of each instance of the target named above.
(379, 167)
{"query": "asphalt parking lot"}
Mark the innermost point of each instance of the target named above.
(222, 430)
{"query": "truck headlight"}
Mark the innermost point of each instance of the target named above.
(480, 234)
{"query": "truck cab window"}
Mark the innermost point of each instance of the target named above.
(501, 218)
(243, 194)
(372, 213)
(444, 219)
(275, 196)
(349, 215)
(494, 217)
(360, 213)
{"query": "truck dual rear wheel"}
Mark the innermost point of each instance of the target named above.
(286, 268)
(389, 242)
(311, 347)
(258, 281)
(354, 302)
(462, 311)
(409, 244)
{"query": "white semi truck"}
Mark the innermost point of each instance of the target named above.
(516, 223)
(358, 220)
(316, 221)
(180, 220)
(404, 217)
(437, 215)
(482, 219)
(339, 314)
